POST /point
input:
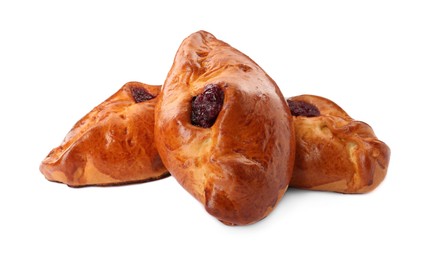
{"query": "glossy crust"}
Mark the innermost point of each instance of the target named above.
(111, 145)
(335, 152)
(241, 166)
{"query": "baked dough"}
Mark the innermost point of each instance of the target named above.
(239, 167)
(333, 151)
(111, 145)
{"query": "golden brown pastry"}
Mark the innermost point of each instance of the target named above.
(111, 145)
(224, 130)
(333, 151)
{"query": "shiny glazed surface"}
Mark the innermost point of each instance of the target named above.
(335, 152)
(240, 167)
(113, 144)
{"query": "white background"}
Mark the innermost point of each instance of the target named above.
(59, 60)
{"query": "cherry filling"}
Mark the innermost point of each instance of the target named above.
(207, 105)
(301, 108)
(140, 94)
